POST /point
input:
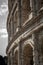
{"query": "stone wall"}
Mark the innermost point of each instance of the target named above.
(26, 47)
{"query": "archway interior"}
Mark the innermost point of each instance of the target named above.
(16, 58)
(28, 55)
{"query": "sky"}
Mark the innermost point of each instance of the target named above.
(3, 31)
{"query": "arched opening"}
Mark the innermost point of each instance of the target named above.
(16, 58)
(28, 55)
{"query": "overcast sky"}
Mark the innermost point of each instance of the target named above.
(3, 31)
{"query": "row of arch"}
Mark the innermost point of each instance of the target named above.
(27, 54)
(31, 51)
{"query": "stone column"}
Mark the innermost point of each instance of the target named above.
(8, 32)
(12, 57)
(36, 50)
(20, 54)
(13, 26)
(19, 13)
(12, 23)
(14, 60)
(8, 59)
(37, 5)
(41, 46)
(11, 29)
(33, 7)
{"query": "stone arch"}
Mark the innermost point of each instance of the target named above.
(16, 56)
(16, 49)
(28, 53)
(30, 42)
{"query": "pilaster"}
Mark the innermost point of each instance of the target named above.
(36, 50)
(8, 60)
(19, 13)
(33, 7)
(12, 57)
(20, 55)
(41, 46)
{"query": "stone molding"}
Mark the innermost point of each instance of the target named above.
(33, 25)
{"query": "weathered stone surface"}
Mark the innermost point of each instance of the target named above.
(25, 22)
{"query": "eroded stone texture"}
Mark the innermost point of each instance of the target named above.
(25, 32)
